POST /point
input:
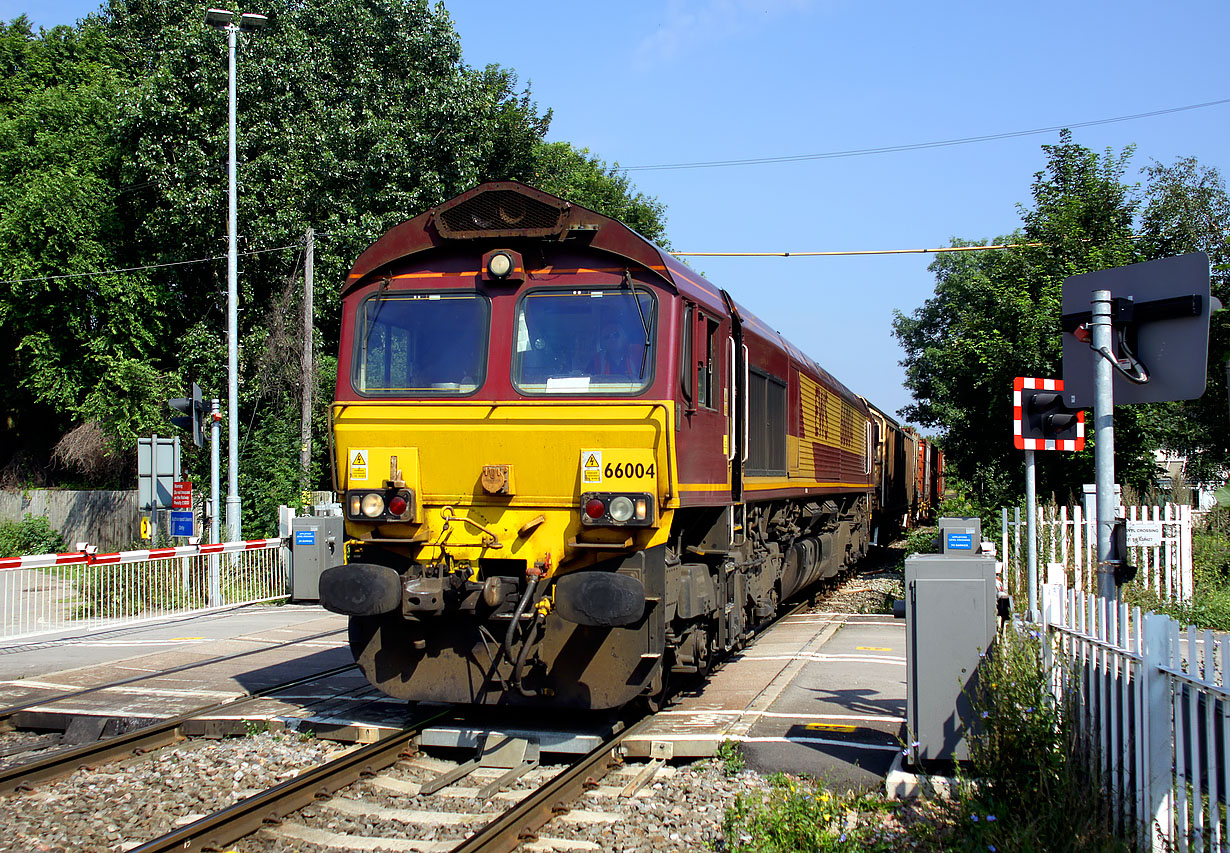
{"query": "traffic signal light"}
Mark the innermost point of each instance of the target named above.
(1041, 419)
(193, 417)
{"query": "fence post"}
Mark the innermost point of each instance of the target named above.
(1157, 749)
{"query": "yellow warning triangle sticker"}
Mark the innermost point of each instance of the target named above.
(358, 458)
(591, 462)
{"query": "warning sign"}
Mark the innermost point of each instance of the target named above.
(591, 466)
(358, 464)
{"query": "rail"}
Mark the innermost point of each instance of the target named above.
(83, 591)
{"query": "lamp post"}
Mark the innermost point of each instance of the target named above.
(224, 20)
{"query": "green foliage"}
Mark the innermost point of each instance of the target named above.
(959, 502)
(730, 754)
(995, 315)
(584, 179)
(81, 347)
(922, 540)
(29, 536)
(796, 815)
(1187, 210)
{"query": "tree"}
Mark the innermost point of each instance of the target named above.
(996, 315)
(1187, 210)
(82, 347)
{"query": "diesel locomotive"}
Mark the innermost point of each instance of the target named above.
(570, 466)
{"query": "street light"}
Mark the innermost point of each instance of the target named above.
(224, 20)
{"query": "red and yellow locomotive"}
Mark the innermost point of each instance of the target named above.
(571, 465)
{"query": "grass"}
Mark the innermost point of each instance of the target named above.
(730, 754)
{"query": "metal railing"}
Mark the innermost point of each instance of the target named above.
(1151, 710)
(1068, 538)
(86, 591)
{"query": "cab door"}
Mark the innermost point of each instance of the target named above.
(707, 442)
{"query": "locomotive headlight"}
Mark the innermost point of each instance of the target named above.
(500, 264)
(373, 505)
(621, 508)
(602, 509)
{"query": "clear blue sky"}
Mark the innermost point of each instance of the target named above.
(685, 81)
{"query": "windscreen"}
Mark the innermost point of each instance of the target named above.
(584, 342)
(421, 344)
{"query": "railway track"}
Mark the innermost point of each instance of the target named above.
(24, 775)
(489, 829)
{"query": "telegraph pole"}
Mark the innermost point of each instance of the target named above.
(305, 420)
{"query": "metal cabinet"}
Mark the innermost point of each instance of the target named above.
(950, 623)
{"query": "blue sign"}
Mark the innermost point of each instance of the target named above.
(182, 522)
(305, 537)
(960, 541)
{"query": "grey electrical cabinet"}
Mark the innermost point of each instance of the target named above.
(316, 545)
(950, 622)
(960, 536)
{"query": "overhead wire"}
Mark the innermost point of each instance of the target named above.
(141, 268)
(854, 252)
(916, 146)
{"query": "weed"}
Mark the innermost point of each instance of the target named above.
(730, 753)
(921, 540)
(1026, 751)
(255, 727)
(800, 814)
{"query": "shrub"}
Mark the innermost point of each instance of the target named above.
(29, 536)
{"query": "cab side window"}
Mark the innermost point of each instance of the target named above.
(706, 363)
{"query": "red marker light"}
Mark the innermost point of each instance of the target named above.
(595, 508)
(398, 505)
(1083, 333)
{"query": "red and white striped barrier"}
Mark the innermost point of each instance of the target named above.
(39, 561)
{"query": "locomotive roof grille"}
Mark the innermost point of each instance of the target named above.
(500, 213)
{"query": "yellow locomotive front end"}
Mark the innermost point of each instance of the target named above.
(487, 540)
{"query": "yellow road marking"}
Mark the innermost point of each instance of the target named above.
(872, 649)
(829, 727)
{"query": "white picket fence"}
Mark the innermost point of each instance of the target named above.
(1067, 537)
(1152, 712)
(86, 591)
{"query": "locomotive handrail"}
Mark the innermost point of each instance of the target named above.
(747, 421)
(730, 352)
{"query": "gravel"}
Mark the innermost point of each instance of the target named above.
(119, 805)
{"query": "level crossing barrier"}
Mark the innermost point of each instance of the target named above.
(84, 591)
